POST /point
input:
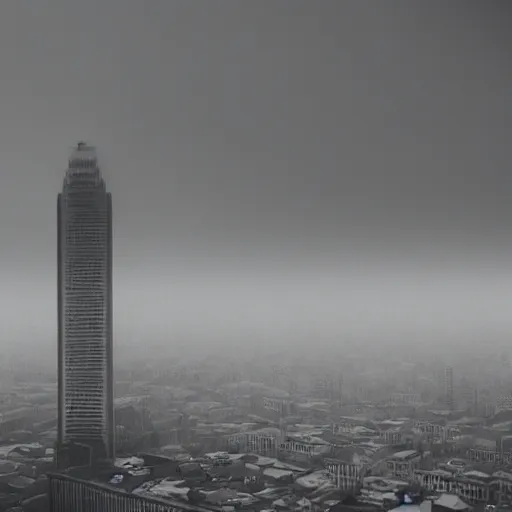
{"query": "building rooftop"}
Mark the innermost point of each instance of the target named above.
(204, 482)
(406, 508)
(451, 501)
(405, 454)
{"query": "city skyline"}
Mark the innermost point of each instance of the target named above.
(256, 256)
(286, 170)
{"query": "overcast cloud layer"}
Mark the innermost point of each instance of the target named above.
(279, 169)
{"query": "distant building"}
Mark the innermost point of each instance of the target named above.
(279, 406)
(448, 375)
(485, 456)
(394, 432)
(504, 403)
(301, 447)
(468, 396)
(84, 256)
(436, 432)
(347, 469)
(402, 464)
(405, 398)
(263, 442)
(474, 486)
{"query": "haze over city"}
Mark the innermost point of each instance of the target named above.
(282, 172)
(255, 256)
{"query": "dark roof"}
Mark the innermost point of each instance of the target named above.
(191, 470)
(347, 453)
(237, 470)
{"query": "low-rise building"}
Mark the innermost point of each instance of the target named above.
(401, 465)
(406, 398)
(265, 441)
(472, 485)
(299, 446)
(393, 432)
(346, 473)
(437, 431)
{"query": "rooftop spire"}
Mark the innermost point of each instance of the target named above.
(83, 157)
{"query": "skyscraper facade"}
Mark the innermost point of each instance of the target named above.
(85, 359)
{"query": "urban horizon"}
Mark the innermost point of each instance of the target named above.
(277, 277)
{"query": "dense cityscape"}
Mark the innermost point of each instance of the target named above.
(255, 256)
(265, 431)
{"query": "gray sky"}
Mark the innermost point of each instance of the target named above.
(277, 167)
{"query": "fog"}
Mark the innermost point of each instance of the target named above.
(281, 173)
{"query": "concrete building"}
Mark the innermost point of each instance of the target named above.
(394, 432)
(302, 447)
(279, 406)
(347, 469)
(406, 399)
(153, 483)
(473, 486)
(402, 465)
(486, 456)
(263, 442)
(503, 403)
(68, 493)
(84, 256)
(436, 431)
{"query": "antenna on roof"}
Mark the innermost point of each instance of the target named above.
(81, 145)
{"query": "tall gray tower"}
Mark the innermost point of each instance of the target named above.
(85, 362)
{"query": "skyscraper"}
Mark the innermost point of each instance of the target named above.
(84, 254)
